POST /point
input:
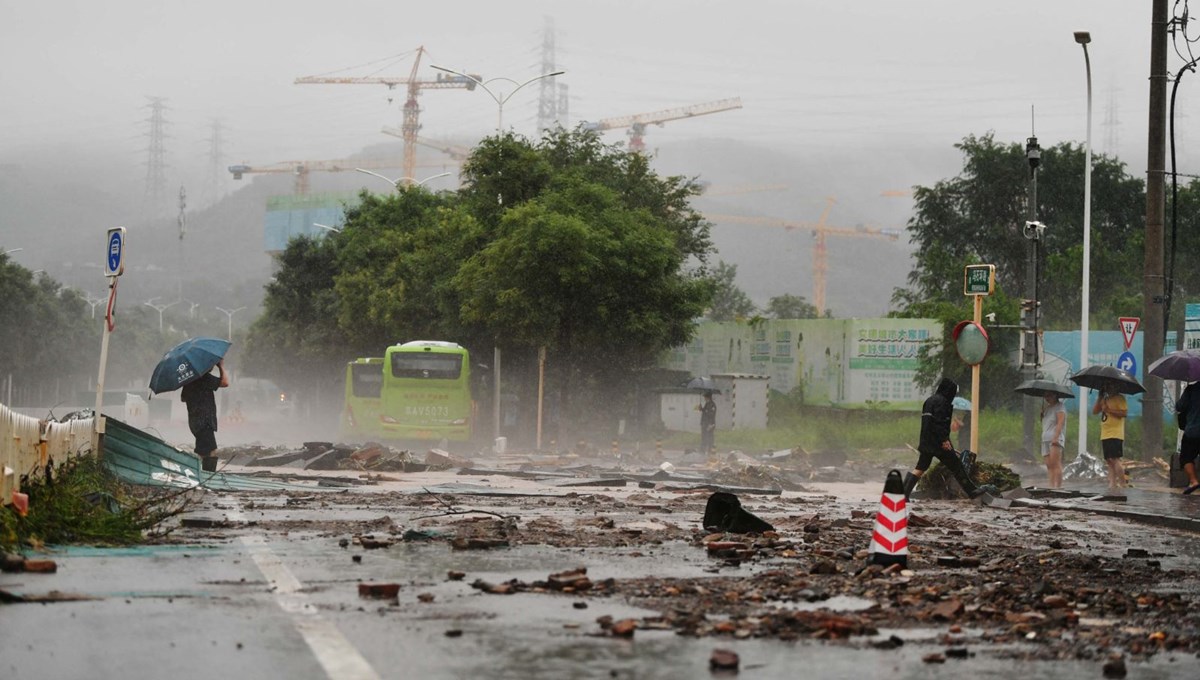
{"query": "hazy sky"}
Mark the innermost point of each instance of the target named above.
(812, 74)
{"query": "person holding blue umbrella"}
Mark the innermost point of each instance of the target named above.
(201, 400)
(189, 365)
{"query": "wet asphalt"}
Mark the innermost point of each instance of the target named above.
(250, 601)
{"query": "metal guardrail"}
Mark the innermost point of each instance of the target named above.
(27, 445)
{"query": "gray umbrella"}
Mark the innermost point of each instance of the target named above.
(703, 383)
(1096, 377)
(1040, 388)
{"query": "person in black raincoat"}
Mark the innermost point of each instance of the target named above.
(936, 416)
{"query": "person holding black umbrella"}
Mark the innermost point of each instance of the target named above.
(1054, 437)
(200, 397)
(708, 424)
(1187, 410)
(1111, 407)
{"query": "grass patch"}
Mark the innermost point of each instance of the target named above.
(84, 503)
(866, 434)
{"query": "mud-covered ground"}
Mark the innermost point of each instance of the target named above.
(1018, 582)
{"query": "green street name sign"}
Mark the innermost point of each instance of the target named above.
(979, 279)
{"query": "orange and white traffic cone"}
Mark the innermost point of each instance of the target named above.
(889, 540)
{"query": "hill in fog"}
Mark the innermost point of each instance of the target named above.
(59, 220)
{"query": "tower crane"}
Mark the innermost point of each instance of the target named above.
(820, 230)
(301, 169)
(454, 151)
(411, 122)
(637, 122)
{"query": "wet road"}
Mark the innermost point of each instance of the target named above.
(272, 596)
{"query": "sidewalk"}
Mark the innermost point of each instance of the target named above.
(1150, 502)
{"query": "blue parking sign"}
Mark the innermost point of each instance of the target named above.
(1126, 362)
(114, 257)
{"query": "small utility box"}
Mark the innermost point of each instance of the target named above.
(741, 404)
(742, 401)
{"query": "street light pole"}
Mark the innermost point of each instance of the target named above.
(396, 182)
(500, 100)
(159, 309)
(327, 227)
(1083, 38)
(229, 315)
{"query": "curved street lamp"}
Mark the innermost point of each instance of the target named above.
(229, 313)
(501, 98)
(396, 182)
(1083, 38)
(159, 308)
(327, 227)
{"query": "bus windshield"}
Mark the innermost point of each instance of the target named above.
(423, 365)
(366, 380)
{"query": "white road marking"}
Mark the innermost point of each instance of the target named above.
(334, 652)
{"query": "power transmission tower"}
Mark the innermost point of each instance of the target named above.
(564, 117)
(215, 172)
(548, 99)
(1112, 125)
(154, 201)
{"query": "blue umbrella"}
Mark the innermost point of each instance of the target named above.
(185, 362)
(961, 404)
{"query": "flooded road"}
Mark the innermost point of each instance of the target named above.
(266, 584)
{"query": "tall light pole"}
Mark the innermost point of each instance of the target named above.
(327, 227)
(159, 309)
(396, 182)
(1083, 38)
(499, 99)
(93, 300)
(229, 315)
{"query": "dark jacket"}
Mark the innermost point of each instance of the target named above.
(1188, 410)
(936, 415)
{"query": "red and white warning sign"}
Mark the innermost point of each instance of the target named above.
(1129, 326)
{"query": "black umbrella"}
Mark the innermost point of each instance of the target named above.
(1181, 364)
(1096, 377)
(1040, 388)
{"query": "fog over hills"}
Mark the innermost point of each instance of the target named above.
(58, 220)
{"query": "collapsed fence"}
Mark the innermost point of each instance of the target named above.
(29, 447)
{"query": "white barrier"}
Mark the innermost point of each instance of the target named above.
(27, 445)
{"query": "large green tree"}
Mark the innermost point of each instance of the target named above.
(563, 243)
(979, 217)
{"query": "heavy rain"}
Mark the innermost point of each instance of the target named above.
(599, 339)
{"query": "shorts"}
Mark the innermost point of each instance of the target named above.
(1112, 448)
(1188, 448)
(1046, 447)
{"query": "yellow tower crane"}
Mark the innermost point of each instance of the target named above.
(820, 230)
(637, 122)
(411, 122)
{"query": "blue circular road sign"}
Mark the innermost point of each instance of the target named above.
(1126, 362)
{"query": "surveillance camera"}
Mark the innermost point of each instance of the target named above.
(991, 317)
(1034, 230)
